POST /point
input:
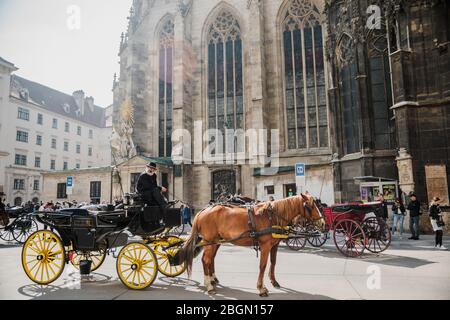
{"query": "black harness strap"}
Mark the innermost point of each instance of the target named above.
(252, 225)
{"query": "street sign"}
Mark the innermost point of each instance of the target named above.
(69, 182)
(300, 176)
(300, 170)
(69, 186)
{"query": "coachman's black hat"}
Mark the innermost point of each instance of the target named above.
(151, 165)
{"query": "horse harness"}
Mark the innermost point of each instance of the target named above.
(252, 232)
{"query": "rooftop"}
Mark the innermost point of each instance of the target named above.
(75, 106)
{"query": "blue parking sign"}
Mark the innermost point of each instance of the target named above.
(69, 182)
(300, 170)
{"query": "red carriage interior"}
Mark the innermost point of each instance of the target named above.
(354, 211)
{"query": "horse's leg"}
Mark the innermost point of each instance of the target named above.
(215, 281)
(206, 260)
(273, 262)
(265, 250)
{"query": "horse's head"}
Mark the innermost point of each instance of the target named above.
(312, 211)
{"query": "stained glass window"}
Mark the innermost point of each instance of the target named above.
(304, 77)
(166, 89)
(225, 85)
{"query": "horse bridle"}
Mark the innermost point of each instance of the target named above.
(310, 210)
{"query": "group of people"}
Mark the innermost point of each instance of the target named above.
(414, 208)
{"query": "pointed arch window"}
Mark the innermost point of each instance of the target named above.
(304, 77)
(165, 76)
(225, 77)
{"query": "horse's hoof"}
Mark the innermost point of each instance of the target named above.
(264, 294)
(212, 292)
(216, 281)
(276, 285)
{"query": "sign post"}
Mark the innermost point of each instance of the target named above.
(69, 186)
(300, 176)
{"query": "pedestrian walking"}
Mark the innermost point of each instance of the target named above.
(436, 222)
(414, 217)
(186, 213)
(399, 211)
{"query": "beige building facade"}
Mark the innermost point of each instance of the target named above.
(42, 129)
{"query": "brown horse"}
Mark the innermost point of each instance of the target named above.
(221, 223)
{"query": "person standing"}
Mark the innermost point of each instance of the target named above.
(414, 217)
(398, 210)
(186, 213)
(436, 222)
(384, 208)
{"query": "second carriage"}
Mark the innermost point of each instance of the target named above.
(354, 227)
(88, 234)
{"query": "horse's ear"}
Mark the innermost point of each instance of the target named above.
(305, 198)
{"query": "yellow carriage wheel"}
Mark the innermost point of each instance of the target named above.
(137, 266)
(97, 257)
(162, 255)
(43, 257)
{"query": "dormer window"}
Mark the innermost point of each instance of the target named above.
(66, 108)
(24, 94)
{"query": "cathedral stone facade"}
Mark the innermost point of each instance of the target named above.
(331, 93)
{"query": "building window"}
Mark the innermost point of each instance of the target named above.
(53, 143)
(270, 190)
(18, 201)
(22, 136)
(290, 190)
(90, 151)
(304, 75)
(21, 160)
(78, 166)
(37, 162)
(36, 185)
(52, 164)
(66, 127)
(349, 94)
(65, 166)
(39, 140)
(224, 183)
(23, 114)
(19, 184)
(133, 181)
(79, 130)
(91, 134)
(40, 119)
(380, 87)
(61, 191)
(165, 88)
(225, 87)
(55, 123)
(96, 191)
(78, 148)
(66, 146)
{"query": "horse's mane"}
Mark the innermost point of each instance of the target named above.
(286, 209)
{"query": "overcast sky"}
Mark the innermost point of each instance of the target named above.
(50, 45)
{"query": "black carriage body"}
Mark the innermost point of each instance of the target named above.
(87, 228)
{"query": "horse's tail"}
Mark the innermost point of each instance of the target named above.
(190, 249)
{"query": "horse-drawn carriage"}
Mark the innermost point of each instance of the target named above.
(16, 224)
(88, 234)
(355, 227)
